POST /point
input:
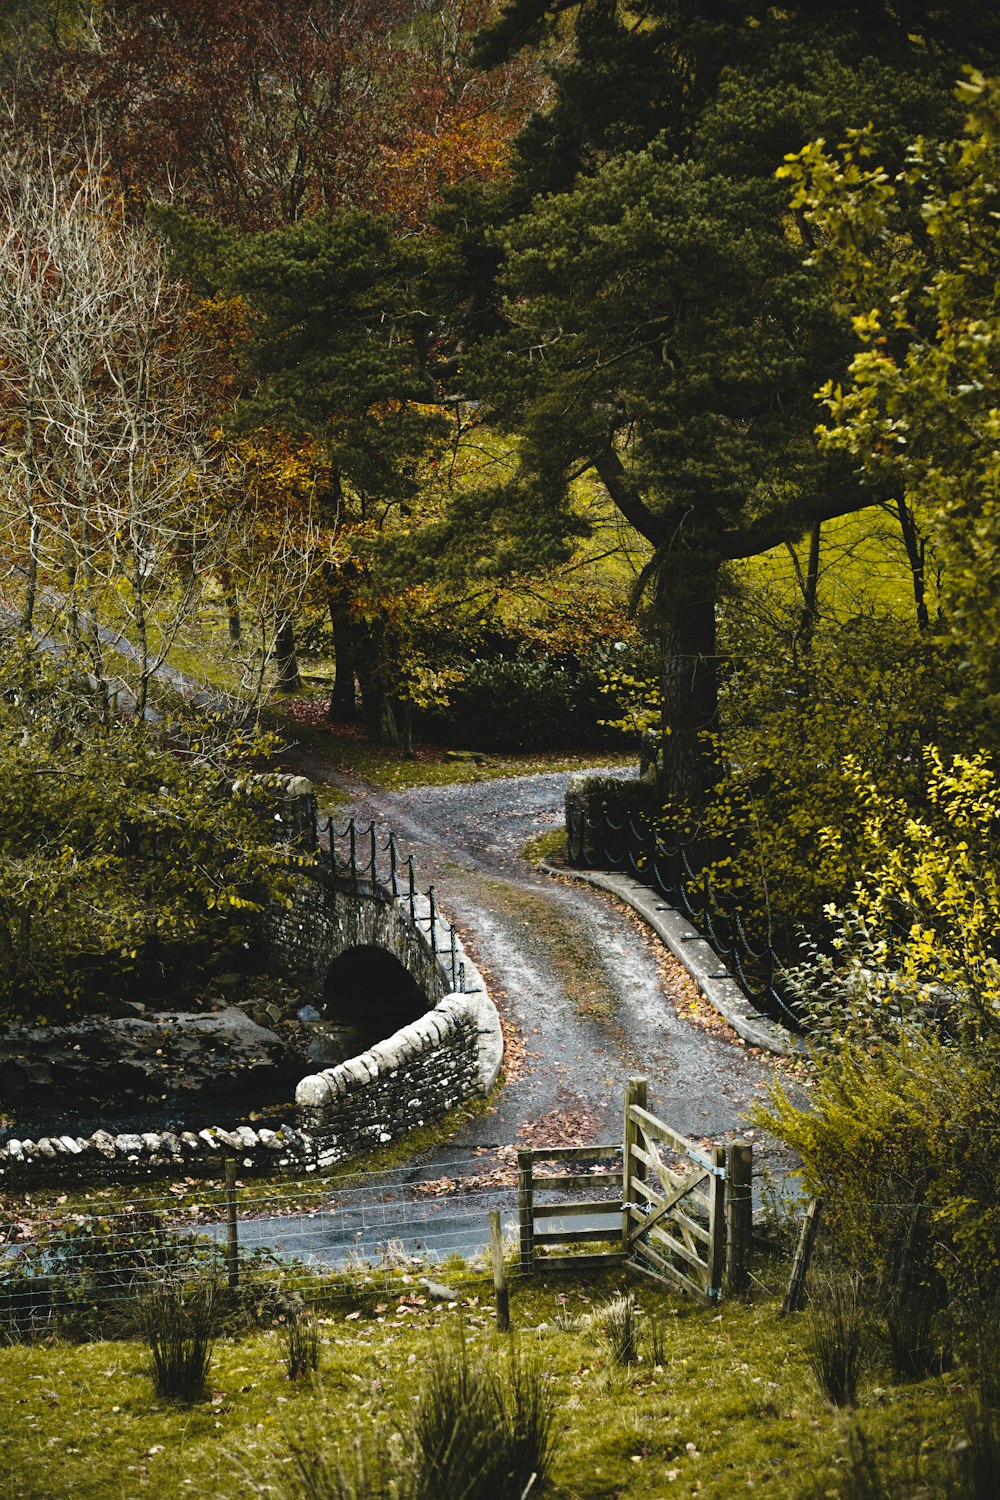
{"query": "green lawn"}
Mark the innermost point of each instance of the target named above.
(731, 1409)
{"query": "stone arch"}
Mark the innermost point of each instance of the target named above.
(368, 987)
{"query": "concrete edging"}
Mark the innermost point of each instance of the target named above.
(699, 958)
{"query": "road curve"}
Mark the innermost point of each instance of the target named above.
(587, 996)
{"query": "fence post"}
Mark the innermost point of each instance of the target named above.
(739, 1215)
(232, 1233)
(373, 841)
(636, 1092)
(716, 1223)
(499, 1272)
(526, 1212)
(803, 1255)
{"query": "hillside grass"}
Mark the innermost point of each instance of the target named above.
(731, 1408)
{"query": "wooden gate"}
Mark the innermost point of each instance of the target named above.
(686, 1213)
(673, 1216)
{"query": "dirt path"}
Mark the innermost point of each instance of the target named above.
(588, 997)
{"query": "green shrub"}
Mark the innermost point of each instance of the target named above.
(898, 1125)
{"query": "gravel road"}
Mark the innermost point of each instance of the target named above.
(587, 996)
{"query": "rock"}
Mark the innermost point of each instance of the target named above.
(138, 1060)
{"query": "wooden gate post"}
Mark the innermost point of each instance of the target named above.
(636, 1091)
(499, 1272)
(716, 1223)
(232, 1231)
(526, 1212)
(803, 1255)
(739, 1215)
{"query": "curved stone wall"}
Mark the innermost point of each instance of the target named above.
(452, 1052)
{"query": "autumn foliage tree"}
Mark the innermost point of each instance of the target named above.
(263, 112)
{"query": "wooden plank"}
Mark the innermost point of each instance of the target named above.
(595, 1206)
(635, 1098)
(694, 1178)
(575, 1153)
(576, 1236)
(661, 1210)
(668, 1137)
(654, 1163)
(677, 1212)
(659, 1236)
(575, 1182)
(666, 1271)
(579, 1262)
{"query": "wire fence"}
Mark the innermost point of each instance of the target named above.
(678, 870)
(78, 1265)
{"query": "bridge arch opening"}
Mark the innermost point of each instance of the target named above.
(367, 988)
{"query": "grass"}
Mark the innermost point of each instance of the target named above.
(347, 750)
(729, 1408)
(576, 959)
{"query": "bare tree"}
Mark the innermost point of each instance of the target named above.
(119, 495)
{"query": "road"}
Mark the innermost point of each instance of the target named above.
(588, 997)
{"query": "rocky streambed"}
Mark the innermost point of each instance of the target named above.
(219, 1061)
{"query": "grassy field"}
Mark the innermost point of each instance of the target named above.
(727, 1407)
(300, 723)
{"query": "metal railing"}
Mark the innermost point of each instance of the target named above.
(634, 845)
(374, 866)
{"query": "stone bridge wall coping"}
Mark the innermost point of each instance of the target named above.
(698, 957)
(450, 1053)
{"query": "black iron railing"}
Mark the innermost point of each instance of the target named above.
(679, 871)
(373, 865)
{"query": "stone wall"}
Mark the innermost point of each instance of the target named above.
(452, 1052)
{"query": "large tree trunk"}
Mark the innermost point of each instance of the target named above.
(685, 608)
(285, 659)
(343, 700)
(370, 647)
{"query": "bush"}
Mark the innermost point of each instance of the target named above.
(900, 1127)
(179, 1320)
(95, 887)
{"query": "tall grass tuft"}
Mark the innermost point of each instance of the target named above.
(975, 1458)
(313, 1470)
(620, 1322)
(178, 1321)
(476, 1435)
(300, 1344)
(837, 1341)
